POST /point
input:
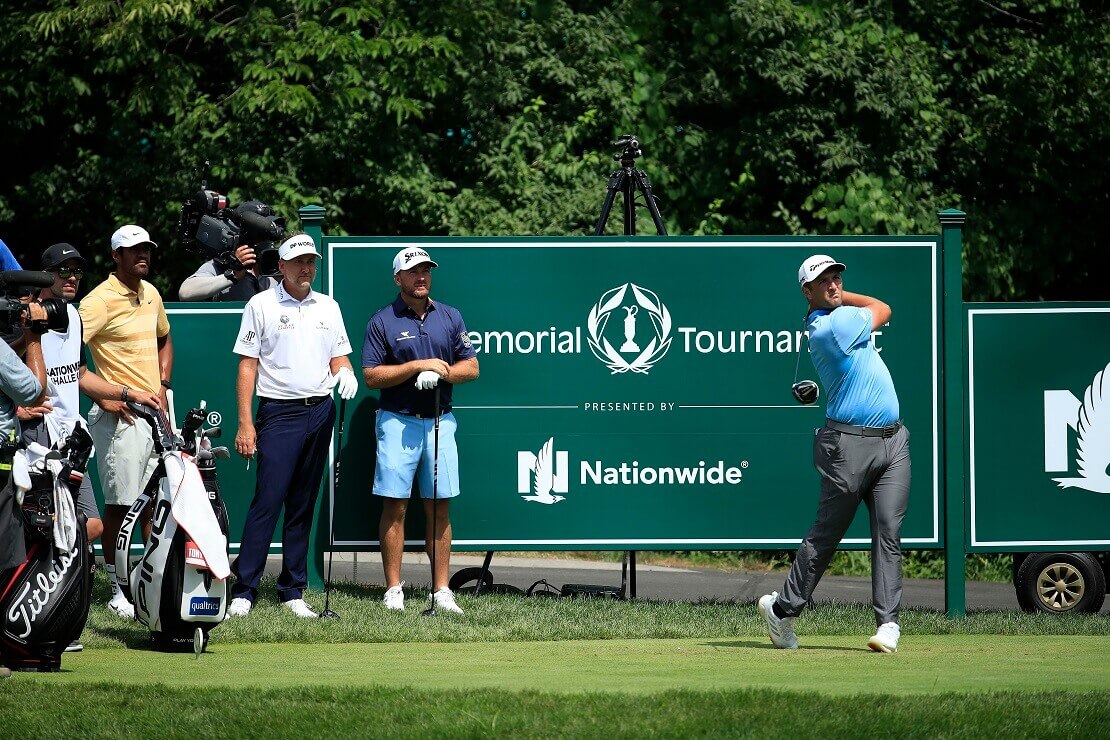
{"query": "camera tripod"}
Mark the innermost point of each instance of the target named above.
(627, 180)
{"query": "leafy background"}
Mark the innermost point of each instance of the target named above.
(494, 117)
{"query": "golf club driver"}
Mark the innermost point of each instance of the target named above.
(806, 392)
(431, 610)
(328, 613)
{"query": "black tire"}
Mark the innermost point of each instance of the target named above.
(1061, 583)
(466, 575)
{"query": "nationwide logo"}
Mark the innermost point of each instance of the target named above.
(543, 474)
(1090, 418)
(642, 360)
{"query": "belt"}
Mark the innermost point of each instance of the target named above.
(887, 431)
(310, 401)
(418, 416)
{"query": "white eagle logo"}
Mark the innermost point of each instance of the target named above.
(541, 487)
(1093, 443)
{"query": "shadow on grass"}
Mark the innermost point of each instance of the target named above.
(766, 645)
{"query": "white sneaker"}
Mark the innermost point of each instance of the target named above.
(781, 631)
(121, 606)
(885, 639)
(239, 607)
(395, 598)
(300, 608)
(445, 600)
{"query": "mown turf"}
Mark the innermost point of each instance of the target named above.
(107, 710)
(829, 665)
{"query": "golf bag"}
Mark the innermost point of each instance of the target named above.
(44, 601)
(179, 583)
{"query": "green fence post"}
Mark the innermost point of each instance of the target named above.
(952, 224)
(312, 221)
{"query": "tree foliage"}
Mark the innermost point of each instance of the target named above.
(494, 117)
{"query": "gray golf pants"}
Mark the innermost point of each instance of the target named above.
(875, 470)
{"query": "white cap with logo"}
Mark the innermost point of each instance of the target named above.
(410, 257)
(813, 266)
(130, 236)
(295, 246)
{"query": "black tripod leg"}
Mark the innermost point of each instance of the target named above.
(629, 190)
(653, 207)
(615, 181)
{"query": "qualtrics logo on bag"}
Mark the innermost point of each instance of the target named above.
(1090, 418)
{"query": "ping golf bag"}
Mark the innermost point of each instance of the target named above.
(44, 601)
(179, 584)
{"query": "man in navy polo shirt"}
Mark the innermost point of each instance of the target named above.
(862, 454)
(412, 345)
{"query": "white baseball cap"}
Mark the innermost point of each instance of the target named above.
(410, 257)
(130, 236)
(815, 265)
(296, 246)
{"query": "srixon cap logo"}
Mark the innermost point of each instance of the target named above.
(1090, 418)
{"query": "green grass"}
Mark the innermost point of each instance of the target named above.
(523, 667)
(515, 619)
(108, 710)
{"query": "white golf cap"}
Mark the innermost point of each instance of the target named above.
(815, 265)
(297, 245)
(410, 257)
(130, 236)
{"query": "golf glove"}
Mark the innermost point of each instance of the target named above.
(427, 380)
(345, 381)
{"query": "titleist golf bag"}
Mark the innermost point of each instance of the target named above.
(179, 584)
(44, 601)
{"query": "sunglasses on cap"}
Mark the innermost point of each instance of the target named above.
(67, 272)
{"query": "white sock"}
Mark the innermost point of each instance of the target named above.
(112, 580)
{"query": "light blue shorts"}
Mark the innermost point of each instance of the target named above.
(406, 450)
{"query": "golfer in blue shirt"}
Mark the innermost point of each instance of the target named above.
(862, 454)
(412, 346)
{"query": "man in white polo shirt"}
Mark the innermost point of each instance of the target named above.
(293, 348)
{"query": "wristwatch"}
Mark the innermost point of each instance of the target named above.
(166, 385)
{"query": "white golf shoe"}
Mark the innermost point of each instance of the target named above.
(781, 631)
(121, 606)
(300, 608)
(885, 639)
(445, 600)
(395, 598)
(239, 607)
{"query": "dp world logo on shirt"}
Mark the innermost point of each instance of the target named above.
(1090, 418)
(630, 355)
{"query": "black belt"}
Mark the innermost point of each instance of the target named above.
(418, 416)
(310, 401)
(888, 431)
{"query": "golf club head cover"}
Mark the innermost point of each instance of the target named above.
(806, 392)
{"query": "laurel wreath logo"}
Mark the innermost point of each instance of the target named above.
(599, 319)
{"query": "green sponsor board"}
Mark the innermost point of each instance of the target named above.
(1038, 426)
(635, 394)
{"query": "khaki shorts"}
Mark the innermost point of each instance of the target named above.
(123, 456)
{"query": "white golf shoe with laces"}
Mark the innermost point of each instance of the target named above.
(239, 607)
(885, 639)
(781, 631)
(394, 599)
(121, 606)
(445, 600)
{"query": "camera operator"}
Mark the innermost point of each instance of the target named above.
(220, 281)
(20, 384)
(64, 356)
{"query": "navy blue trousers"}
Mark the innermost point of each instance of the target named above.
(292, 448)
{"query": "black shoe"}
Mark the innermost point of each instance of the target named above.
(74, 647)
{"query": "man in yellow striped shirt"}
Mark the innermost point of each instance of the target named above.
(128, 334)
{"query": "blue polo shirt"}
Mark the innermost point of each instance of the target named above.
(857, 381)
(394, 336)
